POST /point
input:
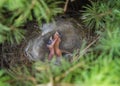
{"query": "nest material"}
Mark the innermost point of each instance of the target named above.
(12, 55)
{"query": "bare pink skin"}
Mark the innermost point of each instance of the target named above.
(57, 49)
(54, 47)
(51, 49)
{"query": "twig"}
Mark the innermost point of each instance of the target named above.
(85, 49)
(65, 6)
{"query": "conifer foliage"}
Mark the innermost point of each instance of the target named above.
(100, 66)
(13, 13)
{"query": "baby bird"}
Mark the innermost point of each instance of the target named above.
(50, 45)
(57, 44)
(53, 45)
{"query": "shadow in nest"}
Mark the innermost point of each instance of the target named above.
(13, 54)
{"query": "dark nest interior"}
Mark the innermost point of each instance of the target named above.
(13, 54)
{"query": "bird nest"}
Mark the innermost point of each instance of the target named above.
(14, 54)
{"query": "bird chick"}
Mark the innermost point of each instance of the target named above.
(53, 45)
(57, 44)
(50, 45)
